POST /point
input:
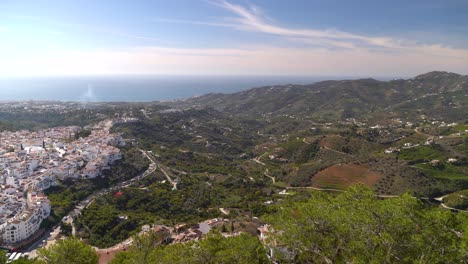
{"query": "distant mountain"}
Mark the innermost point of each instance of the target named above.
(439, 94)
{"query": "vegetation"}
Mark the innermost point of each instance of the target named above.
(70, 250)
(358, 227)
(69, 193)
(444, 171)
(457, 200)
(241, 151)
(83, 133)
(243, 249)
(353, 227)
(331, 101)
(420, 154)
(110, 219)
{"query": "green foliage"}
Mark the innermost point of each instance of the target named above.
(70, 250)
(104, 225)
(65, 196)
(212, 249)
(443, 171)
(298, 151)
(65, 229)
(23, 260)
(457, 200)
(3, 257)
(420, 154)
(465, 144)
(19, 119)
(141, 249)
(83, 134)
(190, 203)
(358, 227)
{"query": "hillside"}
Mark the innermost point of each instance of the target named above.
(441, 94)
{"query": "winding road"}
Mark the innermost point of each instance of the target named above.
(257, 159)
(266, 173)
(158, 166)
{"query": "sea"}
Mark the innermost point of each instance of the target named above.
(138, 88)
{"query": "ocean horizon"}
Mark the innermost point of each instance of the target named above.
(139, 88)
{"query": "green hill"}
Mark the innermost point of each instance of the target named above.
(440, 93)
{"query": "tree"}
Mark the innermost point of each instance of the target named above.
(213, 249)
(70, 251)
(3, 257)
(65, 229)
(465, 144)
(22, 261)
(358, 227)
(239, 249)
(144, 244)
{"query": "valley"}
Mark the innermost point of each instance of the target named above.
(237, 157)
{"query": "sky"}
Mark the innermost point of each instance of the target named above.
(232, 37)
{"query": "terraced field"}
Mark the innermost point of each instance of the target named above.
(343, 175)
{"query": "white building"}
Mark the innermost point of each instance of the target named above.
(28, 222)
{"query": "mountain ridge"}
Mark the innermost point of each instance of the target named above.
(338, 99)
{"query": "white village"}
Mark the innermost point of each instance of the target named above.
(31, 162)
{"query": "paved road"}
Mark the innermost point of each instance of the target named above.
(339, 190)
(159, 166)
(428, 135)
(317, 189)
(440, 199)
(454, 209)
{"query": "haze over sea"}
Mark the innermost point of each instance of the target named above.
(134, 89)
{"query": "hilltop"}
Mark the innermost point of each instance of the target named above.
(439, 94)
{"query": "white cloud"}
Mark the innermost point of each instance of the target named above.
(252, 19)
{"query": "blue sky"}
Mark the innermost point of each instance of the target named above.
(228, 37)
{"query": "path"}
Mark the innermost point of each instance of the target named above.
(454, 209)
(427, 135)
(159, 166)
(339, 190)
(440, 199)
(421, 133)
(317, 189)
(257, 159)
(337, 151)
(269, 176)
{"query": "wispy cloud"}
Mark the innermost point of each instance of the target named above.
(329, 52)
(253, 19)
